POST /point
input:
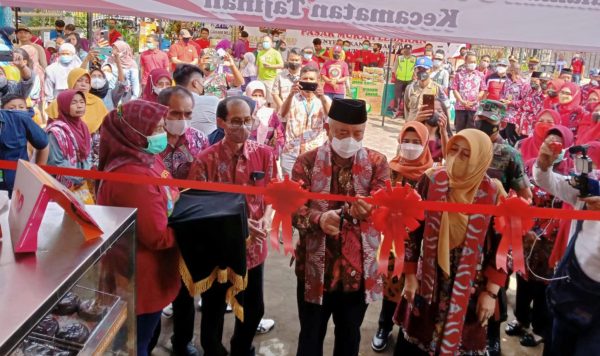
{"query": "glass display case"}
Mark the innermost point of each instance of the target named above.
(71, 297)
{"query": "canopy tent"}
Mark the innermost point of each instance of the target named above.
(552, 24)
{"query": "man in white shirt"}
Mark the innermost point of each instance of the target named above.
(574, 294)
(204, 114)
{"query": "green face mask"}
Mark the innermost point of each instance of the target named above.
(366, 46)
(156, 143)
(346, 48)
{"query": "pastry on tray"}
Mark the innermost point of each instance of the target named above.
(74, 332)
(67, 305)
(48, 326)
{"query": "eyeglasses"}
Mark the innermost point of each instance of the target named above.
(237, 123)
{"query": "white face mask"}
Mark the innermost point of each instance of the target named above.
(157, 90)
(260, 102)
(437, 62)
(411, 151)
(501, 70)
(98, 83)
(346, 147)
(471, 66)
(177, 127)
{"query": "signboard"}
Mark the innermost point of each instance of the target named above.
(32, 191)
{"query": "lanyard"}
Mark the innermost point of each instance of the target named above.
(312, 106)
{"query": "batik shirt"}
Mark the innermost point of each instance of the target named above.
(178, 159)
(531, 105)
(305, 129)
(468, 84)
(513, 91)
(219, 163)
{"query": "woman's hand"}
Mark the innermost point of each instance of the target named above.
(486, 306)
(410, 287)
(423, 114)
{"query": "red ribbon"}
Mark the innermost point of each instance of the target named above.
(286, 197)
(395, 215)
(513, 220)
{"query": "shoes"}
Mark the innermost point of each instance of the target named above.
(493, 348)
(189, 350)
(380, 340)
(228, 309)
(531, 340)
(168, 311)
(514, 328)
(265, 326)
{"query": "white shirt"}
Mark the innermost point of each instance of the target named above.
(587, 246)
(56, 78)
(204, 114)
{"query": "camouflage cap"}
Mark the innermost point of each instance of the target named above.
(491, 109)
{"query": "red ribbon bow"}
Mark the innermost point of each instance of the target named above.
(286, 197)
(395, 215)
(514, 221)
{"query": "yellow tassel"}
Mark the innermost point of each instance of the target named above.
(238, 284)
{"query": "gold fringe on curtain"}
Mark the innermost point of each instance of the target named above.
(222, 276)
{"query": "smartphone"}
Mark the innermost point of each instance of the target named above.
(428, 100)
(6, 56)
(307, 86)
(221, 52)
(103, 51)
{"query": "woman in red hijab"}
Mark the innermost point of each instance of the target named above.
(70, 142)
(538, 244)
(530, 146)
(158, 80)
(589, 128)
(552, 93)
(132, 137)
(569, 106)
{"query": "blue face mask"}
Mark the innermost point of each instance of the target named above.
(308, 57)
(560, 158)
(266, 45)
(156, 143)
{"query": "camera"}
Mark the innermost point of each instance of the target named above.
(581, 180)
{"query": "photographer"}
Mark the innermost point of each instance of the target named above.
(573, 300)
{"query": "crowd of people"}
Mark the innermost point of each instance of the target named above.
(223, 113)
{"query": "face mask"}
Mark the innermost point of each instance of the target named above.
(66, 59)
(486, 127)
(156, 143)
(150, 46)
(411, 151)
(98, 83)
(471, 66)
(484, 64)
(266, 45)
(501, 70)
(596, 116)
(157, 90)
(457, 166)
(437, 63)
(552, 93)
(308, 57)
(293, 66)
(365, 47)
(534, 86)
(346, 48)
(434, 121)
(544, 85)
(541, 128)
(209, 67)
(260, 102)
(176, 127)
(336, 56)
(186, 40)
(346, 147)
(422, 75)
(560, 158)
(565, 99)
(3, 82)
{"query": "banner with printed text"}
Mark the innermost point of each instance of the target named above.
(561, 24)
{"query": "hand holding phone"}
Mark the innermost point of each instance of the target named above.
(428, 100)
(308, 86)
